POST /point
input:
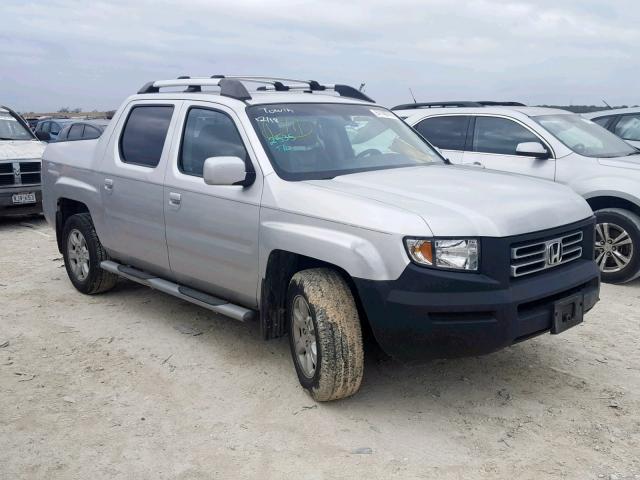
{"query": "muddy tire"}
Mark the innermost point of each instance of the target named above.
(617, 249)
(324, 334)
(83, 253)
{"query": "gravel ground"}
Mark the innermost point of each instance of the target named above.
(136, 384)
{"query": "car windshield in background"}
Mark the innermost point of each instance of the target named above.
(320, 141)
(585, 137)
(11, 129)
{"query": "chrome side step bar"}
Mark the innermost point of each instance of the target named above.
(185, 293)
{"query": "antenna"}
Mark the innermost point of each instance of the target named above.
(412, 96)
(362, 85)
(605, 102)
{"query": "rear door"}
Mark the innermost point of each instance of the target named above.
(132, 185)
(212, 230)
(448, 133)
(492, 144)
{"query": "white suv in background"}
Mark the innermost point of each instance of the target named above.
(553, 144)
(624, 122)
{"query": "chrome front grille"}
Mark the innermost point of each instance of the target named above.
(543, 254)
(25, 172)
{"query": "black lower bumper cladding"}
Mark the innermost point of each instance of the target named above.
(429, 313)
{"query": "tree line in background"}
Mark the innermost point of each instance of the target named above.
(585, 108)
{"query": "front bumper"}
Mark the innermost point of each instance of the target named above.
(7, 207)
(428, 313)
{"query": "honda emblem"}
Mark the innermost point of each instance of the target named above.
(554, 252)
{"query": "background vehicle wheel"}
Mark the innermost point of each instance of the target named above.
(83, 253)
(325, 334)
(617, 249)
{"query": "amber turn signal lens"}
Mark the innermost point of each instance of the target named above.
(421, 251)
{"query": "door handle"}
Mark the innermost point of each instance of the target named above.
(174, 199)
(108, 184)
(478, 164)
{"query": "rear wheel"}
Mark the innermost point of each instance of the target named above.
(617, 248)
(324, 334)
(83, 253)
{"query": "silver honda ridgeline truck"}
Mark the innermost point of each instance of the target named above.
(319, 214)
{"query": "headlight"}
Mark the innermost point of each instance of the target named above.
(457, 254)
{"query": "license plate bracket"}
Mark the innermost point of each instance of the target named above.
(567, 313)
(23, 197)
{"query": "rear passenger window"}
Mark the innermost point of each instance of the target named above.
(90, 133)
(208, 133)
(144, 134)
(75, 132)
(447, 133)
(500, 135)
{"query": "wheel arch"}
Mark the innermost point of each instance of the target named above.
(281, 266)
(600, 201)
(65, 208)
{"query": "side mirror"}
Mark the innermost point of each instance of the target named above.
(43, 136)
(225, 171)
(532, 149)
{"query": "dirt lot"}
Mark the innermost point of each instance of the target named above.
(136, 384)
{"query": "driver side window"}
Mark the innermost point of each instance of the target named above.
(628, 127)
(208, 133)
(499, 136)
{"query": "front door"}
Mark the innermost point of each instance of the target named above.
(212, 230)
(492, 144)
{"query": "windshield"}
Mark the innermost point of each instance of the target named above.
(585, 137)
(11, 129)
(318, 141)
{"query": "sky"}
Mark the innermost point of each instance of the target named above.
(93, 54)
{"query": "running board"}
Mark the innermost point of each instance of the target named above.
(185, 293)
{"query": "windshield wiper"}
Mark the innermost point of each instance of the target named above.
(6, 138)
(633, 153)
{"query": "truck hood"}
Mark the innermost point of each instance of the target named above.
(21, 149)
(466, 201)
(632, 162)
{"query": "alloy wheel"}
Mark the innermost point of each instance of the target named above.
(614, 247)
(78, 254)
(304, 337)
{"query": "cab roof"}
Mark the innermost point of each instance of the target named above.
(494, 109)
(611, 111)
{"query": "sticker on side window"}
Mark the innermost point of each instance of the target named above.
(380, 113)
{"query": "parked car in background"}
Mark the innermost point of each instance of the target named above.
(315, 212)
(552, 144)
(33, 122)
(82, 130)
(20, 164)
(624, 122)
(48, 129)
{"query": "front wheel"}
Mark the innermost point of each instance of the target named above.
(617, 248)
(324, 334)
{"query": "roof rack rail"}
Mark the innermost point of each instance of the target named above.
(491, 103)
(412, 106)
(233, 86)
